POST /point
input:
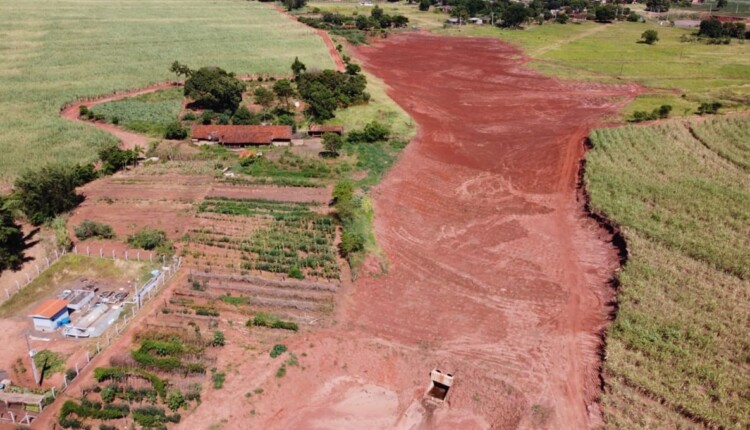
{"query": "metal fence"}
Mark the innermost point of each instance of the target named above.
(100, 252)
(142, 296)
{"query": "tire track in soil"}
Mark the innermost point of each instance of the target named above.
(521, 134)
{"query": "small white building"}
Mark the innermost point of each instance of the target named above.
(50, 314)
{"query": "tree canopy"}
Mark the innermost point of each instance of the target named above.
(214, 88)
(514, 15)
(51, 190)
(11, 239)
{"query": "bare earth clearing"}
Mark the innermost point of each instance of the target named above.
(497, 275)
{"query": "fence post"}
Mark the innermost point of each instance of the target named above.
(88, 357)
(113, 254)
(126, 255)
(107, 333)
(28, 278)
(151, 257)
(101, 252)
(7, 293)
(65, 381)
(37, 269)
(57, 255)
(47, 258)
(77, 369)
(53, 393)
(138, 255)
(75, 249)
(98, 350)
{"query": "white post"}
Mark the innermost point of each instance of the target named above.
(47, 258)
(65, 381)
(101, 252)
(98, 350)
(126, 255)
(151, 257)
(76, 369)
(88, 357)
(53, 393)
(75, 249)
(113, 254)
(28, 278)
(88, 251)
(138, 255)
(18, 286)
(37, 269)
(57, 255)
(108, 336)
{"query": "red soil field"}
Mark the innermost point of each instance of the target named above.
(496, 273)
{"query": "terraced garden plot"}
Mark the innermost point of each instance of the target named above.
(265, 236)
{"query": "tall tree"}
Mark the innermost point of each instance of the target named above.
(298, 67)
(11, 239)
(284, 91)
(265, 98)
(214, 88)
(514, 15)
(47, 192)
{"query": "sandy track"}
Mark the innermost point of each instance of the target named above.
(496, 272)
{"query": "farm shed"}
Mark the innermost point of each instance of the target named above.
(50, 314)
(317, 130)
(239, 136)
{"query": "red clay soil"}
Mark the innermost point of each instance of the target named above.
(496, 273)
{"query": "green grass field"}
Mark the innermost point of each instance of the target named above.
(679, 346)
(148, 113)
(51, 53)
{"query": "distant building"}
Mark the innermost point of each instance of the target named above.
(317, 130)
(50, 314)
(239, 136)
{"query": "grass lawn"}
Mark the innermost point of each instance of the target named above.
(69, 268)
(679, 344)
(53, 52)
(682, 74)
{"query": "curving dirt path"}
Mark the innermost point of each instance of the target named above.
(335, 56)
(128, 140)
(496, 273)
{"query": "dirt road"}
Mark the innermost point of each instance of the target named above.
(496, 273)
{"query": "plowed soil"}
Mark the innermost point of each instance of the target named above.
(496, 273)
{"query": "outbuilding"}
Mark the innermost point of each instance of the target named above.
(50, 314)
(240, 136)
(317, 130)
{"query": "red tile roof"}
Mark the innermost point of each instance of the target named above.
(242, 134)
(317, 128)
(49, 308)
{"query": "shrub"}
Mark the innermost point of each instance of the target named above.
(88, 229)
(296, 273)
(49, 191)
(351, 242)
(175, 131)
(709, 108)
(148, 239)
(83, 110)
(262, 319)
(650, 37)
(115, 120)
(277, 350)
(373, 132)
(189, 116)
(175, 400)
(332, 142)
(218, 379)
(218, 339)
(562, 18)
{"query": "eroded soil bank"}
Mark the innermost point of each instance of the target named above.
(497, 275)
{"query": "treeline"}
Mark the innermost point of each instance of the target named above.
(715, 29)
(510, 14)
(41, 195)
(355, 27)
